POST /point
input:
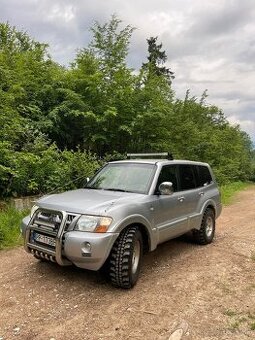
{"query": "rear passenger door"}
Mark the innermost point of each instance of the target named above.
(204, 184)
(195, 183)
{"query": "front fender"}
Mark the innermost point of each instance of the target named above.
(139, 219)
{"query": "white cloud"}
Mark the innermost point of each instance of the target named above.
(65, 13)
(247, 125)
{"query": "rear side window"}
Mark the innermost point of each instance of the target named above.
(187, 177)
(204, 177)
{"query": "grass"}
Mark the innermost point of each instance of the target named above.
(252, 325)
(229, 312)
(239, 320)
(229, 190)
(251, 316)
(10, 220)
(234, 325)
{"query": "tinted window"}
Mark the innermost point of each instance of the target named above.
(168, 174)
(204, 176)
(187, 177)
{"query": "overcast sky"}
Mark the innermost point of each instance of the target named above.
(209, 44)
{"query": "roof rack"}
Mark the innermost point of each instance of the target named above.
(165, 155)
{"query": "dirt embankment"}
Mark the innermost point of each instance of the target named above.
(202, 292)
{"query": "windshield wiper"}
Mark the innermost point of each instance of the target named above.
(110, 189)
(113, 189)
(93, 188)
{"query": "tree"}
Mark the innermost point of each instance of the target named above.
(25, 69)
(53, 119)
(153, 101)
(156, 61)
(110, 46)
(106, 84)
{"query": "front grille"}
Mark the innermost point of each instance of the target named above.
(45, 227)
(47, 221)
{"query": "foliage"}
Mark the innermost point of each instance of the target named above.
(43, 171)
(10, 227)
(57, 123)
(229, 190)
(156, 61)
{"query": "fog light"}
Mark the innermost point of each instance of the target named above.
(86, 247)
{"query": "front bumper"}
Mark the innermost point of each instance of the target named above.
(88, 250)
(83, 249)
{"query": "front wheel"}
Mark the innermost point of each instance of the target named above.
(206, 232)
(125, 258)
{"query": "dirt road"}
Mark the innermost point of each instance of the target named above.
(202, 292)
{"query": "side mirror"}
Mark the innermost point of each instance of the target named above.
(166, 188)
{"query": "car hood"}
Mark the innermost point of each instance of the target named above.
(86, 201)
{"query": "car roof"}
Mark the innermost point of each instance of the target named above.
(159, 162)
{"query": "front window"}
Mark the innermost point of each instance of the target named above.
(168, 174)
(127, 177)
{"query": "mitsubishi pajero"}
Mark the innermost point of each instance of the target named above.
(129, 207)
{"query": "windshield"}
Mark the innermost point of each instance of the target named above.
(127, 177)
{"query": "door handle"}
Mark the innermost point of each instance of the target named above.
(201, 193)
(181, 199)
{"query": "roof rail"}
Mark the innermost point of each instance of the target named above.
(165, 155)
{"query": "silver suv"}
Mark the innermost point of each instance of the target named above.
(129, 207)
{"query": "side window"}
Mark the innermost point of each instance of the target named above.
(168, 174)
(187, 177)
(204, 176)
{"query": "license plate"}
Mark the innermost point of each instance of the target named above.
(44, 239)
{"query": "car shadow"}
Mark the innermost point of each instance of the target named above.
(74, 276)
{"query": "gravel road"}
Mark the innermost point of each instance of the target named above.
(189, 291)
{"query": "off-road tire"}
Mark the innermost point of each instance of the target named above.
(125, 258)
(206, 232)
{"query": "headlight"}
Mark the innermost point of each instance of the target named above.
(96, 224)
(33, 210)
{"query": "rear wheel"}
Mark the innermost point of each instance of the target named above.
(206, 232)
(125, 258)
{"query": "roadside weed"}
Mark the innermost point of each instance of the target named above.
(229, 312)
(239, 321)
(229, 190)
(253, 326)
(10, 219)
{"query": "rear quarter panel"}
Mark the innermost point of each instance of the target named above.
(210, 198)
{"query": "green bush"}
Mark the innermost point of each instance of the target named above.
(29, 173)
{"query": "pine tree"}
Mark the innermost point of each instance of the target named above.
(156, 61)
